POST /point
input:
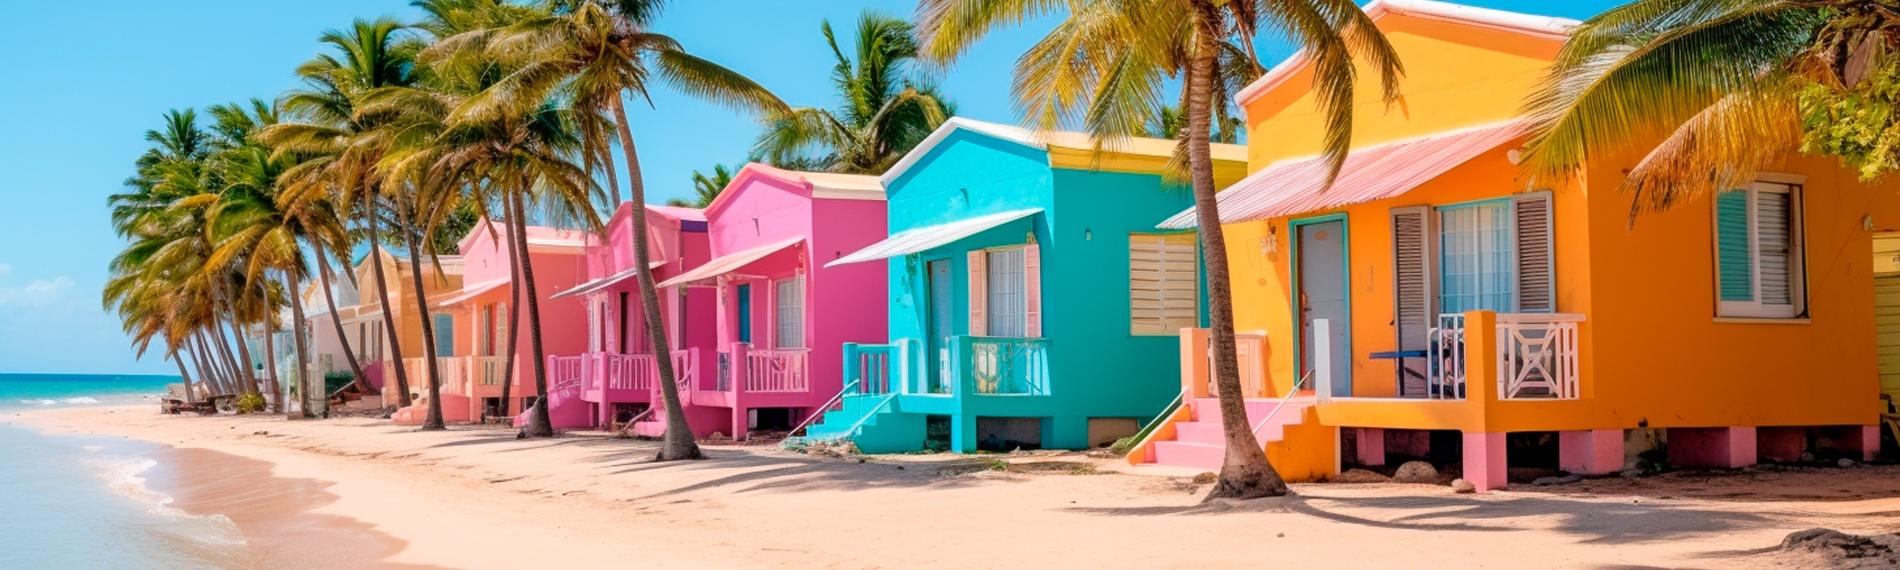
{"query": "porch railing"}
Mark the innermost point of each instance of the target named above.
(566, 368)
(625, 371)
(489, 370)
(1536, 356)
(1250, 350)
(449, 369)
(782, 370)
(867, 368)
(685, 368)
(1003, 366)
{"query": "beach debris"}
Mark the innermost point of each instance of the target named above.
(1842, 550)
(1463, 487)
(1357, 475)
(1845, 462)
(1206, 478)
(1563, 480)
(1415, 472)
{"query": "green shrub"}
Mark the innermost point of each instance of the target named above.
(250, 403)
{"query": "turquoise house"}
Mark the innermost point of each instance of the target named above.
(1032, 304)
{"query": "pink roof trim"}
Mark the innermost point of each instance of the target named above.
(1293, 186)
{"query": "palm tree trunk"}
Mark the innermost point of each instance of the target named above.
(222, 363)
(539, 425)
(1245, 472)
(270, 367)
(389, 312)
(304, 383)
(336, 320)
(239, 362)
(207, 366)
(179, 360)
(679, 442)
(514, 320)
(434, 419)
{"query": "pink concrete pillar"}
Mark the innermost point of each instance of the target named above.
(1781, 443)
(1864, 439)
(1590, 452)
(1371, 447)
(1485, 468)
(1722, 447)
(1194, 369)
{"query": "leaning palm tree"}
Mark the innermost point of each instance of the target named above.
(883, 110)
(1722, 81)
(706, 187)
(598, 53)
(341, 148)
(1105, 65)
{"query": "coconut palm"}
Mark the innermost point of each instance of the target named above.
(1720, 81)
(598, 53)
(706, 187)
(884, 110)
(1105, 66)
(342, 146)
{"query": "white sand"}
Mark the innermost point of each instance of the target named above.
(479, 498)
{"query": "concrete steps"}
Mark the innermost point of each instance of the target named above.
(1199, 441)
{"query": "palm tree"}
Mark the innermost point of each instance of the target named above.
(599, 52)
(1105, 65)
(882, 113)
(1724, 80)
(706, 188)
(343, 147)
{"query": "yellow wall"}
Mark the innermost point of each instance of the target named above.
(1652, 351)
(402, 296)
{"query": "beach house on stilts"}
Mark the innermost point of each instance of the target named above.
(1435, 304)
(1032, 302)
(608, 378)
(780, 313)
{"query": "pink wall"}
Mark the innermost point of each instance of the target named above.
(556, 269)
(849, 301)
(670, 240)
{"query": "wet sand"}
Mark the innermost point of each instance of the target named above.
(475, 497)
(277, 516)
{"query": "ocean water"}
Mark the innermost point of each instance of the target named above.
(82, 502)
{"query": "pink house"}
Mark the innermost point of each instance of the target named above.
(471, 325)
(779, 314)
(606, 377)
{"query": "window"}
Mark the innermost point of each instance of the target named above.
(1005, 299)
(444, 329)
(1162, 283)
(789, 312)
(1476, 256)
(624, 331)
(1758, 258)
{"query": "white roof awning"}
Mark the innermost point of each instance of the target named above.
(930, 237)
(469, 292)
(605, 282)
(729, 263)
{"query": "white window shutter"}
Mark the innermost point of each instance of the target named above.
(1032, 291)
(1774, 247)
(979, 294)
(1412, 275)
(501, 329)
(1536, 254)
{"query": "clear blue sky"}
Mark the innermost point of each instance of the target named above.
(86, 79)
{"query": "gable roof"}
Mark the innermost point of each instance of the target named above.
(821, 184)
(1141, 146)
(1547, 27)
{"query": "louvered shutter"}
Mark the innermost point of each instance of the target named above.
(1162, 283)
(1734, 264)
(1412, 275)
(1774, 244)
(502, 345)
(1032, 291)
(1536, 254)
(979, 294)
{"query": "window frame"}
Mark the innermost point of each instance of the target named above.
(779, 312)
(1797, 308)
(1018, 321)
(1439, 260)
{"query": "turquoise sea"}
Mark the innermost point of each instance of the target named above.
(82, 502)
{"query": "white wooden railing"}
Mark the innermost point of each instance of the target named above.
(782, 370)
(1249, 350)
(624, 371)
(1537, 356)
(452, 374)
(489, 370)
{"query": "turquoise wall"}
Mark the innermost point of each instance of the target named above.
(1097, 368)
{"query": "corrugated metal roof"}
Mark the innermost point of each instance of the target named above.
(729, 263)
(930, 237)
(1294, 186)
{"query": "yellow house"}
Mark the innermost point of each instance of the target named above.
(1435, 304)
(368, 330)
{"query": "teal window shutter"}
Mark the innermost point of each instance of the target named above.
(1735, 271)
(444, 334)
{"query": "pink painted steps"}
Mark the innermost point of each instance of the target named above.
(1192, 436)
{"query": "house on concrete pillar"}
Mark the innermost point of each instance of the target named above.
(1434, 303)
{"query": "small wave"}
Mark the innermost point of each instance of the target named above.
(125, 475)
(80, 400)
(40, 402)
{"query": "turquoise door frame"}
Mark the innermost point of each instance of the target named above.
(1343, 378)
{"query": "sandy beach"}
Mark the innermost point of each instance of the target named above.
(360, 492)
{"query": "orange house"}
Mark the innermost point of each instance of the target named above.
(1434, 303)
(369, 328)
